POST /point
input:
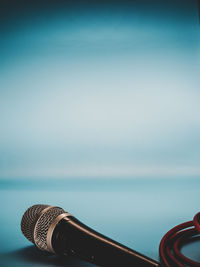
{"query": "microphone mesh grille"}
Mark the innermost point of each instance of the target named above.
(43, 224)
(29, 220)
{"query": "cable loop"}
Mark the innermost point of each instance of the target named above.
(173, 241)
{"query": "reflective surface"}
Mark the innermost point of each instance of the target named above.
(134, 212)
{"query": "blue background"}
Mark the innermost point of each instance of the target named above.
(99, 114)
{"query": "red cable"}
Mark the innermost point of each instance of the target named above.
(196, 221)
(175, 239)
(165, 249)
(180, 242)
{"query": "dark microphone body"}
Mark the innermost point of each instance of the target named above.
(54, 230)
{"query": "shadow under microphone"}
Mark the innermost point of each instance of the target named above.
(53, 230)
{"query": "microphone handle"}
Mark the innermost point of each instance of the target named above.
(73, 238)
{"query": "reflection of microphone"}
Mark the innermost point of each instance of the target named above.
(54, 230)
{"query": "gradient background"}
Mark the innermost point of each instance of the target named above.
(100, 114)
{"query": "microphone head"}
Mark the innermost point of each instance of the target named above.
(36, 222)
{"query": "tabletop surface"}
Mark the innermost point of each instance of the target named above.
(136, 213)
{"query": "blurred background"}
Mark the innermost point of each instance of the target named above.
(99, 113)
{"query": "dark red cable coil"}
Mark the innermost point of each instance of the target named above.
(175, 239)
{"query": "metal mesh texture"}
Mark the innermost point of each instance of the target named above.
(42, 226)
(29, 220)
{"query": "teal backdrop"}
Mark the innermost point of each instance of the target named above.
(99, 114)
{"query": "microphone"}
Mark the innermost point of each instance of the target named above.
(54, 230)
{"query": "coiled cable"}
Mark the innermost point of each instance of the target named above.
(175, 239)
